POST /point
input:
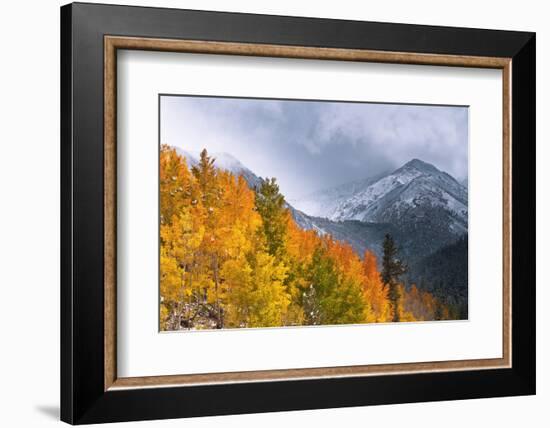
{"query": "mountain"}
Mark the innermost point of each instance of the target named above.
(423, 208)
(224, 161)
(389, 197)
(411, 191)
(360, 235)
(444, 273)
(428, 207)
(324, 203)
(230, 163)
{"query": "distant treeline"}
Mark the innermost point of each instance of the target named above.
(445, 274)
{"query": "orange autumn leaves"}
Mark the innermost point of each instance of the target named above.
(233, 257)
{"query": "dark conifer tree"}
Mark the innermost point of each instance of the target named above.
(392, 269)
(271, 207)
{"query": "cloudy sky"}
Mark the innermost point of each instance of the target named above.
(312, 145)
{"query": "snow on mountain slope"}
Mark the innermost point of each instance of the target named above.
(232, 164)
(421, 206)
(406, 194)
(224, 161)
(323, 203)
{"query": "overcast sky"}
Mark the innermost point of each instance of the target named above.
(312, 145)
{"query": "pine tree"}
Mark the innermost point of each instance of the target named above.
(392, 269)
(271, 207)
(234, 257)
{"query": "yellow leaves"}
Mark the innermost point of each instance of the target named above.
(164, 315)
(301, 243)
(424, 306)
(223, 264)
(268, 296)
(237, 241)
(375, 292)
(170, 276)
(256, 294)
(377, 296)
(176, 183)
(183, 235)
(370, 265)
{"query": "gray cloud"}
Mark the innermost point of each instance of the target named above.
(314, 145)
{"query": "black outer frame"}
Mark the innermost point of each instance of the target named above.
(83, 399)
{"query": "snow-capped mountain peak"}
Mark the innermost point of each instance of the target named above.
(419, 165)
(409, 191)
(425, 208)
(323, 203)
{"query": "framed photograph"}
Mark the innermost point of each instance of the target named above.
(265, 213)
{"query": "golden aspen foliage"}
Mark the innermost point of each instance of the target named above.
(233, 257)
(375, 292)
(176, 190)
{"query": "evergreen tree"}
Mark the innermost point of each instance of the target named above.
(271, 207)
(233, 257)
(392, 269)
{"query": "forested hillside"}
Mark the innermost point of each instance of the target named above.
(445, 274)
(234, 257)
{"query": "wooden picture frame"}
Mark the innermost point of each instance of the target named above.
(91, 390)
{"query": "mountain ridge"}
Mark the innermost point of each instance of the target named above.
(408, 205)
(413, 184)
(413, 204)
(389, 196)
(225, 161)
